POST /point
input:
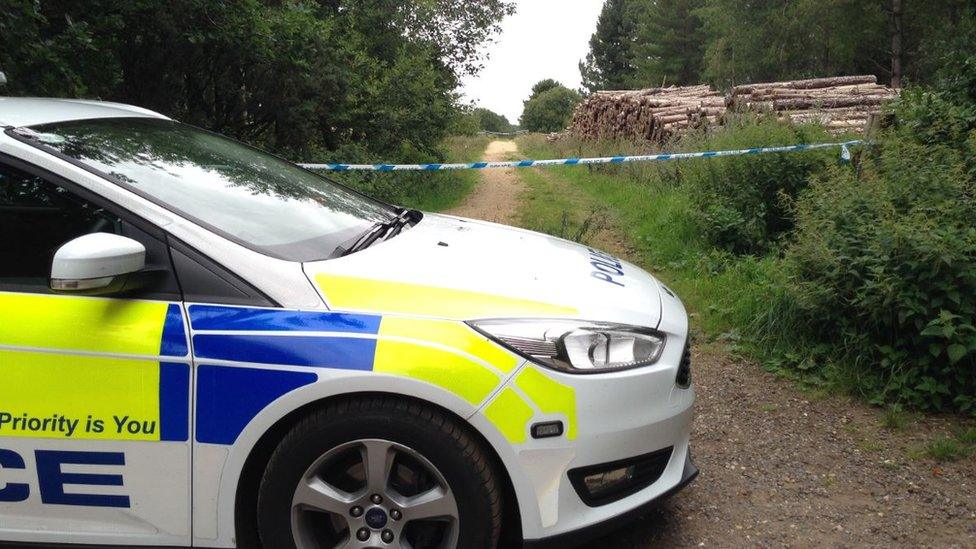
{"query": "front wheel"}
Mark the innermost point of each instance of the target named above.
(379, 473)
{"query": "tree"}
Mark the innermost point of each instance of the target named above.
(370, 78)
(897, 35)
(490, 121)
(456, 27)
(950, 57)
(542, 86)
(550, 110)
(644, 43)
(670, 43)
(780, 40)
(464, 122)
(786, 39)
(610, 62)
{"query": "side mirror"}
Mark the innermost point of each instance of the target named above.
(97, 263)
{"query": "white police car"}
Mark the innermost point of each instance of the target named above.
(202, 344)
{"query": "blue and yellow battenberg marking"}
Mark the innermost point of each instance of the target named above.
(92, 368)
(116, 369)
(293, 338)
(445, 353)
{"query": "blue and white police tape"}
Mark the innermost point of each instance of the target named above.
(486, 132)
(844, 146)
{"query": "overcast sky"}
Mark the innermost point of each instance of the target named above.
(544, 39)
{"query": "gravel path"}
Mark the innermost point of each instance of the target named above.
(781, 467)
(496, 196)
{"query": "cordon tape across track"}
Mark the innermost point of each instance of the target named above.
(844, 146)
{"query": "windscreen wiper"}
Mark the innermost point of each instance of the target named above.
(383, 230)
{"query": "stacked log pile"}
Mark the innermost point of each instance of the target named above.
(654, 114)
(841, 104)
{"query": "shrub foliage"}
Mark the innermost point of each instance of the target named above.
(549, 108)
(744, 203)
(884, 258)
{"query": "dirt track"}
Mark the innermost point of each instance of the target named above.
(782, 468)
(496, 197)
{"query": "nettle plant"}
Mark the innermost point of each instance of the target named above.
(884, 258)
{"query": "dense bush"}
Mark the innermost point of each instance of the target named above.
(883, 258)
(550, 108)
(744, 203)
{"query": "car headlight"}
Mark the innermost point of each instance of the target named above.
(577, 346)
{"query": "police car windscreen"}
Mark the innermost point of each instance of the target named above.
(249, 196)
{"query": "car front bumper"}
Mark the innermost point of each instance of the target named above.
(588, 533)
(621, 416)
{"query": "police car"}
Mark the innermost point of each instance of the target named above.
(204, 345)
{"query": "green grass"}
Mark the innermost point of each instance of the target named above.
(948, 449)
(969, 436)
(466, 148)
(559, 210)
(916, 453)
(451, 186)
(895, 420)
(870, 446)
(962, 444)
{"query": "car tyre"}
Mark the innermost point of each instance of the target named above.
(379, 472)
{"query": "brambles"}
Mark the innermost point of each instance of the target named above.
(883, 263)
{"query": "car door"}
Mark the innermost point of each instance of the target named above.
(94, 390)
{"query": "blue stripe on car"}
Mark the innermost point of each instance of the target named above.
(174, 336)
(229, 398)
(174, 401)
(209, 317)
(345, 353)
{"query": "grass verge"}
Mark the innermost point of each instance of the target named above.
(559, 210)
(452, 185)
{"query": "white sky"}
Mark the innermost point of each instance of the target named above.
(544, 39)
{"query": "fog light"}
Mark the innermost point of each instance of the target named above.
(608, 482)
(601, 484)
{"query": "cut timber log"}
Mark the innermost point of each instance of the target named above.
(812, 83)
(833, 103)
(841, 103)
(650, 114)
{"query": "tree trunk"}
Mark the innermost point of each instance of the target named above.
(897, 32)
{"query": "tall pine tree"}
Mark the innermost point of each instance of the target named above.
(610, 62)
(670, 43)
